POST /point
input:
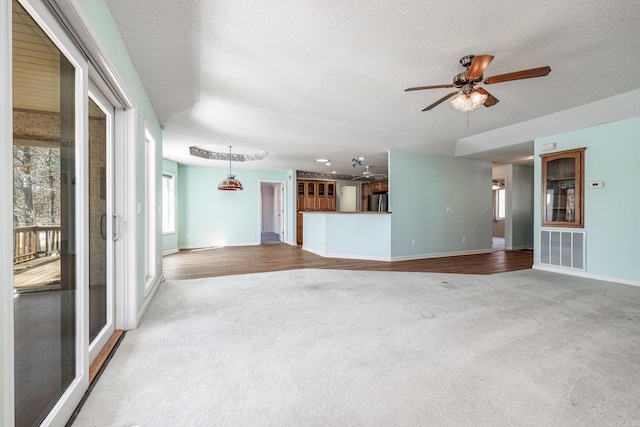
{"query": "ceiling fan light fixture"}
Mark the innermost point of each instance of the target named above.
(466, 102)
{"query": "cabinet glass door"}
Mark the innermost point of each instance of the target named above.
(562, 181)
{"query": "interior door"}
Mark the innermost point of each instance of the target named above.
(102, 221)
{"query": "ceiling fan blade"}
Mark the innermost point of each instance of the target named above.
(429, 87)
(441, 100)
(518, 75)
(491, 100)
(478, 65)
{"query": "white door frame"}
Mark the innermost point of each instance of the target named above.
(111, 226)
(6, 222)
(41, 13)
(283, 199)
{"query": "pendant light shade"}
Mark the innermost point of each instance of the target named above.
(466, 102)
(230, 183)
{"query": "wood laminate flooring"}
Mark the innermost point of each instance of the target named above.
(212, 262)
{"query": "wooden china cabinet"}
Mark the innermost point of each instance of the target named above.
(563, 188)
(314, 196)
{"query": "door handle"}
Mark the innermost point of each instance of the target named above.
(103, 226)
(116, 226)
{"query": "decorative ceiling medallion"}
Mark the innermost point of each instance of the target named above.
(330, 176)
(214, 155)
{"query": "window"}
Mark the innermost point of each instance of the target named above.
(168, 203)
(150, 207)
(562, 188)
(500, 203)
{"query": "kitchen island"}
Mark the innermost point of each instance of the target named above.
(354, 235)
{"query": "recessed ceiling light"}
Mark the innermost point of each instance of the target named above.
(360, 158)
(328, 163)
(334, 172)
(322, 160)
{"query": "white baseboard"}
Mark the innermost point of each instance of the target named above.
(569, 272)
(348, 256)
(441, 255)
(219, 246)
(401, 258)
(520, 248)
(150, 296)
(171, 251)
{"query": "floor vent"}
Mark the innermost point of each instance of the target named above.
(562, 249)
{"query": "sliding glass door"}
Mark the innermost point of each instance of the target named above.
(63, 220)
(103, 224)
(45, 174)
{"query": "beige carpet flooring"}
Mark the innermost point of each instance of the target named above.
(349, 348)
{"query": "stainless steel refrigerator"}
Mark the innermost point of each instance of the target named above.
(378, 202)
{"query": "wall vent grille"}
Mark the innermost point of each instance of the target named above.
(563, 249)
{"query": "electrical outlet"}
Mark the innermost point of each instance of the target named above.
(448, 210)
(413, 243)
(464, 239)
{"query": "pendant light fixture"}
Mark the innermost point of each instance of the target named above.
(468, 100)
(230, 183)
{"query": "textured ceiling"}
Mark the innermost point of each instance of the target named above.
(306, 79)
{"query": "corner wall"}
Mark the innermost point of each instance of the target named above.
(611, 212)
(421, 189)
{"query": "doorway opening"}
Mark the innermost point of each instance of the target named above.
(348, 202)
(499, 203)
(272, 212)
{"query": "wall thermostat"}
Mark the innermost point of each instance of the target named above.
(597, 184)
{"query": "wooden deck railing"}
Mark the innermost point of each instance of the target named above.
(35, 241)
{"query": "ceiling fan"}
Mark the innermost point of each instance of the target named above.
(367, 175)
(472, 97)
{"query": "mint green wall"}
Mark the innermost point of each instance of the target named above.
(421, 187)
(209, 217)
(170, 240)
(610, 213)
(108, 38)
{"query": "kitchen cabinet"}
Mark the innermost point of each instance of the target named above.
(331, 196)
(369, 188)
(300, 193)
(379, 187)
(314, 196)
(563, 188)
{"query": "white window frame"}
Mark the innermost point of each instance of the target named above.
(150, 216)
(501, 194)
(168, 203)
